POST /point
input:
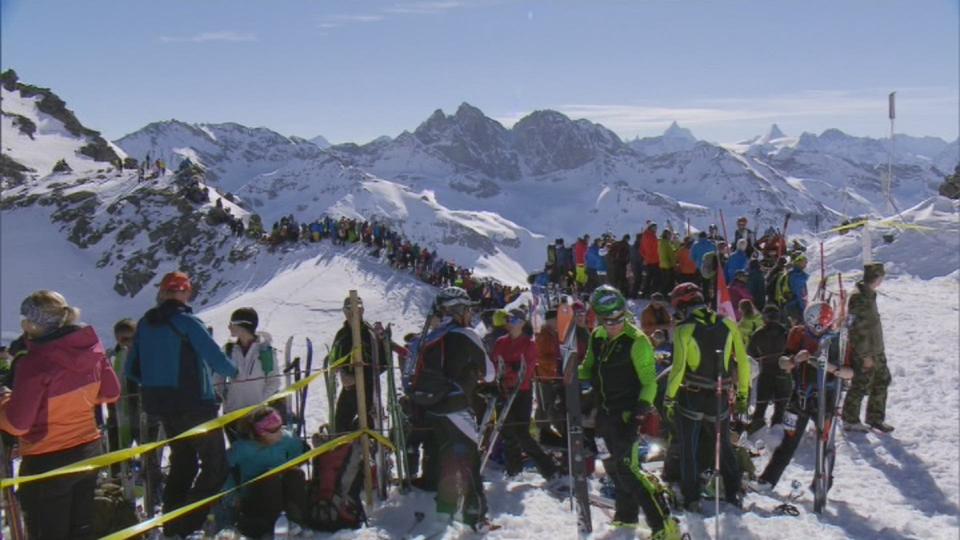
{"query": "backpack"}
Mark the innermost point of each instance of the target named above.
(267, 356)
(782, 292)
(112, 512)
(427, 384)
(333, 495)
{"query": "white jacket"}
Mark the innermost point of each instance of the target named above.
(251, 385)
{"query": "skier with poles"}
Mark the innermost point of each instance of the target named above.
(619, 364)
(703, 346)
(447, 365)
(805, 343)
(519, 355)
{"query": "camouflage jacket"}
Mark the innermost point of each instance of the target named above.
(866, 332)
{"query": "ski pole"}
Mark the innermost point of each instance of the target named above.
(716, 450)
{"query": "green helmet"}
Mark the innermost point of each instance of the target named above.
(607, 302)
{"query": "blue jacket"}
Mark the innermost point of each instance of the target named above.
(249, 459)
(699, 249)
(594, 260)
(737, 261)
(171, 359)
(797, 280)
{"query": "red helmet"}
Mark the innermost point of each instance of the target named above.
(818, 318)
(176, 282)
(685, 294)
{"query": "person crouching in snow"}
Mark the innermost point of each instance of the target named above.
(262, 446)
(258, 376)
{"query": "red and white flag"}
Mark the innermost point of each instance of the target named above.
(724, 305)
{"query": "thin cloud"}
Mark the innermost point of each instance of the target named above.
(208, 37)
(631, 119)
(424, 8)
(363, 18)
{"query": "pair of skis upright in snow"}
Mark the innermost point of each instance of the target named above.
(826, 427)
(293, 371)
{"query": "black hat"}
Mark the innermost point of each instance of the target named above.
(551, 314)
(245, 317)
(873, 271)
(771, 311)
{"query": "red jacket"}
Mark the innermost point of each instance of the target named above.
(580, 253)
(650, 248)
(58, 382)
(513, 351)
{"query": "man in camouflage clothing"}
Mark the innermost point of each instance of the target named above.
(871, 376)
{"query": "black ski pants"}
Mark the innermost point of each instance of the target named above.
(774, 386)
(517, 439)
(695, 415)
(60, 508)
(619, 437)
(261, 503)
(782, 456)
(348, 416)
(459, 463)
(198, 468)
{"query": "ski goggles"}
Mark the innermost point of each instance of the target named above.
(516, 320)
(268, 424)
(616, 321)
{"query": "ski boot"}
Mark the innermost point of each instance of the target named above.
(881, 426)
(856, 426)
(670, 531)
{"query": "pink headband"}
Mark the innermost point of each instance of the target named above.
(268, 424)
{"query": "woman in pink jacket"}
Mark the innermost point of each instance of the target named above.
(63, 376)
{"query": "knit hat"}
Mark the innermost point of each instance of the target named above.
(176, 282)
(499, 318)
(245, 317)
(48, 310)
(873, 271)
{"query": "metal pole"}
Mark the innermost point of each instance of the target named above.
(716, 451)
(358, 369)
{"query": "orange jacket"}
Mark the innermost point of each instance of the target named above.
(685, 264)
(58, 382)
(548, 350)
(650, 248)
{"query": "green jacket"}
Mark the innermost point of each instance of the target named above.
(686, 352)
(748, 326)
(668, 255)
(866, 332)
(622, 369)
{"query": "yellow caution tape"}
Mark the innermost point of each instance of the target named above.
(105, 460)
(879, 224)
(172, 515)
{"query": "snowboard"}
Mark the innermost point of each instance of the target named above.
(576, 455)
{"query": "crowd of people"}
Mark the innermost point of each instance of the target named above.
(641, 375)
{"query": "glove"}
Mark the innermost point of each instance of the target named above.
(669, 407)
(743, 403)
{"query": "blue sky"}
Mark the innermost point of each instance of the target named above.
(354, 70)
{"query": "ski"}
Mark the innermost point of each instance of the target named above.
(398, 424)
(502, 416)
(11, 505)
(330, 382)
(288, 377)
(576, 456)
(302, 413)
(819, 475)
(377, 412)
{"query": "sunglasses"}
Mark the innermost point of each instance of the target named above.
(612, 322)
(516, 320)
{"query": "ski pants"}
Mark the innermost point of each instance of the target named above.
(870, 383)
(791, 440)
(59, 508)
(198, 468)
(347, 418)
(517, 438)
(651, 279)
(549, 415)
(696, 419)
(459, 462)
(773, 386)
(632, 495)
(261, 503)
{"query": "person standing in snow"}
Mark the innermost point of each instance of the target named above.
(704, 346)
(773, 385)
(668, 262)
(738, 261)
(619, 365)
(171, 359)
(791, 289)
(803, 345)
(743, 233)
(454, 358)
(347, 417)
(516, 352)
(650, 251)
(258, 375)
(65, 370)
(580, 249)
(871, 375)
(549, 382)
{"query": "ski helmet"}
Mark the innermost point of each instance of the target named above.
(818, 318)
(686, 294)
(607, 302)
(452, 300)
(800, 260)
